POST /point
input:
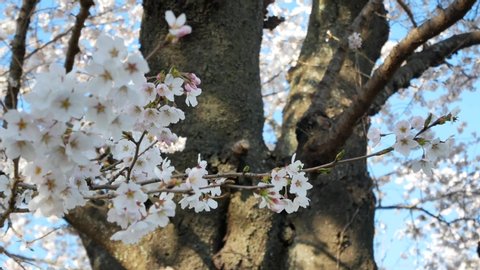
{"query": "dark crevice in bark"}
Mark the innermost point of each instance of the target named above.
(99, 258)
(280, 237)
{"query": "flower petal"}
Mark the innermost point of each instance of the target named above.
(181, 20)
(170, 17)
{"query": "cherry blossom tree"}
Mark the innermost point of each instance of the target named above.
(155, 155)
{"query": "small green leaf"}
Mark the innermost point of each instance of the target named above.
(428, 120)
(421, 141)
(340, 155)
(324, 170)
(246, 169)
(266, 179)
(175, 73)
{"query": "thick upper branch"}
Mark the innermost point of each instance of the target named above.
(320, 61)
(344, 124)
(419, 62)
(73, 48)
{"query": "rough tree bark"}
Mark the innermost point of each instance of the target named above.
(226, 128)
(336, 232)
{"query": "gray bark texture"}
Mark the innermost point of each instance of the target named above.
(337, 231)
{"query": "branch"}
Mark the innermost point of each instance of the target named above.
(228, 184)
(135, 157)
(11, 201)
(73, 48)
(415, 207)
(419, 62)
(407, 10)
(412, 208)
(343, 126)
(18, 52)
(57, 37)
(160, 44)
(19, 259)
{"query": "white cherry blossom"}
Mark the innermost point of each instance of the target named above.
(374, 136)
(424, 165)
(109, 48)
(171, 87)
(402, 129)
(436, 149)
(404, 145)
(177, 25)
(355, 41)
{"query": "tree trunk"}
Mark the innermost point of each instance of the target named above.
(337, 231)
(223, 50)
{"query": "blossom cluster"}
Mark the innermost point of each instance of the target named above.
(414, 134)
(355, 41)
(106, 137)
(288, 189)
(64, 142)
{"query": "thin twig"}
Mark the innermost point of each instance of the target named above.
(53, 40)
(45, 235)
(336, 162)
(135, 157)
(250, 175)
(158, 47)
(24, 259)
(407, 10)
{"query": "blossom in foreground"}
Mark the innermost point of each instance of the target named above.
(288, 182)
(111, 48)
(300, 185)
(200, 199)
(178, 28)
(171, 87)
(424, 165)
(192, 90)
(436, 149)
(417, 122)
(405, 145)
(416, 134)
(374, 135)
(270, 198)
(354, 41)
(402, 129)
(73, 125)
